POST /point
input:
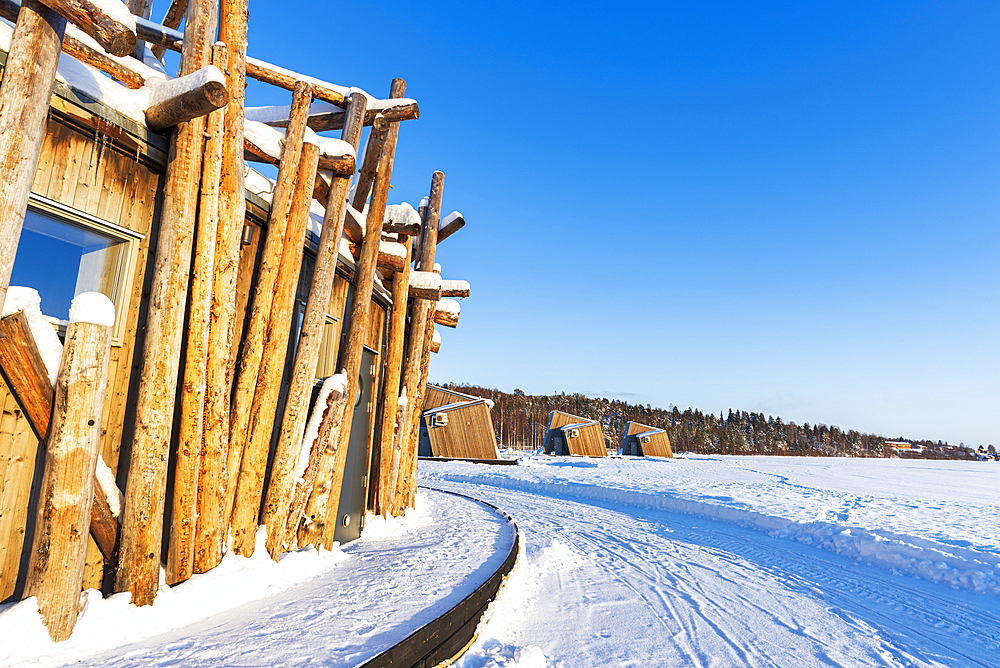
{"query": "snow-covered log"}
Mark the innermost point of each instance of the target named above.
(174, 101)
(109, 22)
(447, 312)
(282, 78)
(59, 548)
(436, 342)
(452, 223)
(391, 256)
(401, 219)
(455, 288)
(425, 285)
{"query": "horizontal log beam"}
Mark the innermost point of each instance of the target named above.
(401, 219)
(408, 111)
(282, 78)
(107, 21)
(192, 96)
(446, 313)
(454, 288)
(452, 223)
(391, 256)
(436, 342)
(172, 19)
(425, 285)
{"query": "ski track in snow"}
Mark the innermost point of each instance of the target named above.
(642, 586)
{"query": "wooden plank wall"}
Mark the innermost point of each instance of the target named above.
(589, 443)
(438, 396)
(121, 185)
(659, 443)
(469, 433)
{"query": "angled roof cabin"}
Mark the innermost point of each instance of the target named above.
(138, 188)
(573, 435)
(644, 441)
(457, 425)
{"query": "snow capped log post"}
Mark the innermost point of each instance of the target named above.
(436, 342)
(187, 97)
(253, 342)
(142, 525)
(59, 548)
(420, 326)
(364, 281)
(109, 22)
(282, 510)
(250, 486)
(29, 380)
(452, 223)
(391, 406)
(180, 555)
(28, 78)
(213, 476)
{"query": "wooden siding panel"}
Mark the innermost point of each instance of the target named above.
(469, 433)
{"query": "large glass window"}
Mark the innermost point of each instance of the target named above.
(61, 257)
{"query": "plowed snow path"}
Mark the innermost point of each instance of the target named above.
(608, 584)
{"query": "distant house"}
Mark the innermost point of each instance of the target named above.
(645, 441)
(456, 425)
(573, 435)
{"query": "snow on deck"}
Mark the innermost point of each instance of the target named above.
(336, 608)
(742, 561)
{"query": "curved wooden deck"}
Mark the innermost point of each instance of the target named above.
(450, 635)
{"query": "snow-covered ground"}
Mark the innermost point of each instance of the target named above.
(696, 561)
(743, 561)
(336, 608)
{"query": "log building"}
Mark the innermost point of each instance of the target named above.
(261, 353)
(573, 435)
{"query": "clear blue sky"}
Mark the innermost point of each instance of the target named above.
(781, 207)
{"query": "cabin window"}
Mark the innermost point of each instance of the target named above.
(62, 255)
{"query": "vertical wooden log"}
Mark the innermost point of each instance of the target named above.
(360, 304)
(393, 372)
(281, 510)
(24, 104)
(213, 476)
(142, 524)
(143, 8)
(59, 549)
(414, 433)
(265, 400)
(180, 555)
(253, 343)
(391, 479)
(313, 522)
(421, 321)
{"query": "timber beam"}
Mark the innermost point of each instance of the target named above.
(107, 21)
(182, 99)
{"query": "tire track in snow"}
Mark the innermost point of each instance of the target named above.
(729, 595)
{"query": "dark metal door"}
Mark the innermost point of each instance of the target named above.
(351, 510)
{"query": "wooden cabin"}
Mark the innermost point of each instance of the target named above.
(316, 293)
(456, 425)
(644, 441)
(573, 435)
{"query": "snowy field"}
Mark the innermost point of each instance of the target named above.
(743, 561)
(696, 561)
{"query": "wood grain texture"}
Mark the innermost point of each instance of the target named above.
(357, 321)
(59, 548)
(27, 84)
(267, 274)
(213, 475)
(142, 524)
(115, 36)
(286, 497)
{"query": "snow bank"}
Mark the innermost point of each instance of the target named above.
(46, 340)
(781, 511)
